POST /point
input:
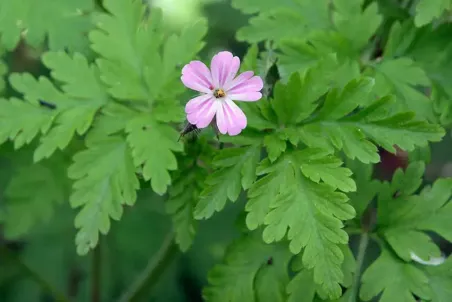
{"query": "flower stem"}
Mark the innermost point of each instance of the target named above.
(156, 266)
(363, 242)
(48, 288)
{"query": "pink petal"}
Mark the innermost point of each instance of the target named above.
(246, 96)
(238, 80)
(224, 67)
(230, 118)
(195, 103)
(247, 90)
(204, 114)
(196, 76)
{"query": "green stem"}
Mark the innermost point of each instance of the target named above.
(153, 270)
(11, 257)
(363, 242)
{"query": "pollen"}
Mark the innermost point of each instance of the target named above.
(219, 93)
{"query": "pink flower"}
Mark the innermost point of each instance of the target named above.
(219, 87)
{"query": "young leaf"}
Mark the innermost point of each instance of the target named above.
(310, 213)
(153, 144)
(236, 168)
(398, 280)
(63, 24)
(251, 271)
(105, 180)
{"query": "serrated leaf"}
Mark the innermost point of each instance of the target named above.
(235, 168)
(275, 146)
(130, 43)
(32, 195)
(367, 187)
(350, 119)
(440, 280)
(153, 145)
(355, 24)
(251, 271)
(310, 213)
(105, 180)
(396, 279)
(303, 288)
(403, 78)
(428, 10)
(180, 206)
(183, 194)
(286, 19)
(407, 217)
(63, 24)
(22, 121)
(77, 112)
(318, 164)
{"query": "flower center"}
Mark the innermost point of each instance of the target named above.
(219, 93)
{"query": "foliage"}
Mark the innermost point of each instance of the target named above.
(345, 82)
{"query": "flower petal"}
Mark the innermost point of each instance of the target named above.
(204, 113)
(230, 118)
(247, 90)
(194, 104)
(224, 67)
(196, 76)
(246, 96)
(244, 76)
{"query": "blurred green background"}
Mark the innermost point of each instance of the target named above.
(44, 262)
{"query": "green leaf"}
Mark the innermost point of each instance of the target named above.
(105, 180)
(356, 25)
(32, 195)
(251, 271)
(22, 121)
(285, 19)
(427, 10)
(129, 44)
(77, 112)
(440, 280)
(153, 144)
(275, 145)
(303, 288)
(235, 168)
(398, 280)
(403, 78)
(63, 24)
(407, 217)
(327, 68)
(310, 213)
(184, 193)
(367, 187)
(318, 164)
(349, 120)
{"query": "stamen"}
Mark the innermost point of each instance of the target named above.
(219, 93)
